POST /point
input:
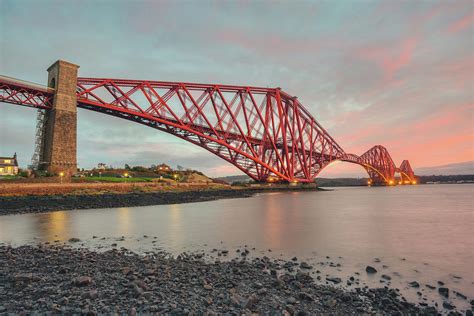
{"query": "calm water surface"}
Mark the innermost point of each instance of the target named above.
(422, 233)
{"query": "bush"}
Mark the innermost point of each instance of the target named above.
(23, 173)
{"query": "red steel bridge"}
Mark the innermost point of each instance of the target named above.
(265, 132)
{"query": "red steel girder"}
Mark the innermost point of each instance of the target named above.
(406, 173)
(24, 93)
(265, 132)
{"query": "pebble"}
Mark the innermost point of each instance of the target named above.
(83, 281)
(444, 291)
(460, 295)
(386, 277)
(304, 265)
(448, 305)
(334, 280)
(370, 270)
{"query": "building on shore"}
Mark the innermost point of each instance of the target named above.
(8, 166)
(163, 168)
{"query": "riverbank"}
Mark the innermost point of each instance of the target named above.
(61, 279)
(78, 188)
(46, 203)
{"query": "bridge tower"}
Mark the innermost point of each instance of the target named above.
(60, 130)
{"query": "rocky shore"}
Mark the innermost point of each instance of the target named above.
(46, 203)
(61, 279)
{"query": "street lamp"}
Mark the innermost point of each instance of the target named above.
(61, 175)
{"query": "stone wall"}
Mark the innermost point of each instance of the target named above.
(60, 145)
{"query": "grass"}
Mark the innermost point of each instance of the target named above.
(10, 177)
(115, 179)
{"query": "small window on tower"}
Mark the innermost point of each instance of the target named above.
(52, 84)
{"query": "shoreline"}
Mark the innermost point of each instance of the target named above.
(24, 204)
(62, 279)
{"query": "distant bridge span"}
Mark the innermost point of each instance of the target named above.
(265, 132)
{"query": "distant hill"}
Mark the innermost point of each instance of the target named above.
(462, 168)
(341, 182)
(234, 179)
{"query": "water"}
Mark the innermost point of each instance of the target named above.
(421, 233)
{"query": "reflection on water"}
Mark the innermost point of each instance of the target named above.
(175, 225)
(430, 227)
(56, 225)
(124, 221)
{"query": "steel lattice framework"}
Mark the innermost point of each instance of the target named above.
(265, 132)
(23, 93)
(406, 173)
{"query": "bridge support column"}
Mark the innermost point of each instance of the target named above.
(59, 146)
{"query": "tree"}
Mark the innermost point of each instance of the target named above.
(127, 167)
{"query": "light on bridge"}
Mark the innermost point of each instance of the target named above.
(391, 182)
(413, 182)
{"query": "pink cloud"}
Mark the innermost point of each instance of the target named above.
(391, 58)
(460, 72)
(461, 24)
(392, 64)
(443, 135)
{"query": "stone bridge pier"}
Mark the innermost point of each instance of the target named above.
(59, 146)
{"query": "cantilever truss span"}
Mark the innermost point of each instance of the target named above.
(265, 132)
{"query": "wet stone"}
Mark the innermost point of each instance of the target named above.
(448, 305)
(370, 270)
(444, 291)
(83, 281)
(304, 265)
(334, 280)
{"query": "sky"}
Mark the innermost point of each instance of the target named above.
(395, 73)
